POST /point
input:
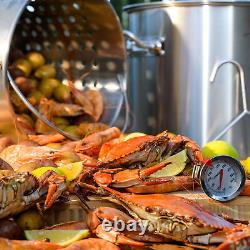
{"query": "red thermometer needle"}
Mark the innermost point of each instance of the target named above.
(221, 177)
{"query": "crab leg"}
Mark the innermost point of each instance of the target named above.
(237, 238)
(127, 178)
(94, 221)
(163, 185)
(54, 184)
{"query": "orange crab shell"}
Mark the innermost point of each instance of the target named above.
(127, 147)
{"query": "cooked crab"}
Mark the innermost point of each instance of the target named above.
(143, 150)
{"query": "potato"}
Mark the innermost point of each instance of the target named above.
(25, 84)
(30, 220)
(45, 71)
(36, 59)
(24, 65)
(15, 72)
(9, 229)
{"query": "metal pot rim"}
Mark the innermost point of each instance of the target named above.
(154, 5)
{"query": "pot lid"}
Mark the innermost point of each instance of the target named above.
(167, 3)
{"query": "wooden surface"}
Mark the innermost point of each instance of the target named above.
(237, 209)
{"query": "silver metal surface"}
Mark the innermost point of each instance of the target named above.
(245, 111)
(178, 94)
(77, 36)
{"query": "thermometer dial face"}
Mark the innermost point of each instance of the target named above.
(223, 179)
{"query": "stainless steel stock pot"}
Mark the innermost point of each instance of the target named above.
(200, 85)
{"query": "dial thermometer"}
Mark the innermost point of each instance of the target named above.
(222, 178)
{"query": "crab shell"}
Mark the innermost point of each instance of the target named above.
(143, 150)
(16, 192)
(171, 216)
(139, 150)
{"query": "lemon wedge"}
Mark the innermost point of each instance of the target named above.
(246, 165)
(71, 170)
(61, 237)
(133, 135)
(40, 171)
(178, 163)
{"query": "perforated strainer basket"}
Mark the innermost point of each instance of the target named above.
(78, 35)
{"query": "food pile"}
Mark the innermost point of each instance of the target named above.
(75, 111)
(137, 173)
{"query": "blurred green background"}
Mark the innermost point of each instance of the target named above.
(119, 4)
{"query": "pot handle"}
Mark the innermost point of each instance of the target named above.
(245, 111)
(134, 43)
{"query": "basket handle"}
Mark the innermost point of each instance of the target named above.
(245, 111)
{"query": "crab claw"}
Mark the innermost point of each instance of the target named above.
(54, 184)
(116, 237)
(94, 222)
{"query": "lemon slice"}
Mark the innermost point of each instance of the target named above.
(40, 171)
(133, 135)
(71, 170)
(61, 237)
(178, 163)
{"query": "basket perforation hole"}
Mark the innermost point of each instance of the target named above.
(72, 19)
(60, 19)
(66, 33)
(28, 47)
(47, 45)
(52, 27)
(65, 64)
(44, 34)
(76, 6)
(33, 33)
(24, 34)
(111, 66)
(30, 8)
(41, 8)
(89, 44)
(94, 26)
(79, 65)
(73, 46)
(52, 8)
(38, 47)
(27, 20)
(105, 44)
(59, 45)
(64, 7)
(38, 20)
(95, 65)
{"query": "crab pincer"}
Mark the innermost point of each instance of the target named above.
(94, 221)
(53, 185)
